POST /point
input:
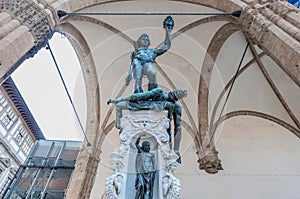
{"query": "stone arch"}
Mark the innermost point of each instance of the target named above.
(226, 6)
(268, 117)
(99, 23)
(254, 148)
(203, 91)
(89, 154)
(88, 69)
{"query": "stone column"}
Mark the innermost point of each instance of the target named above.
(86, 167)
(25, 27)
(274, 26)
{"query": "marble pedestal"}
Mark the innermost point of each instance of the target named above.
(153, 128)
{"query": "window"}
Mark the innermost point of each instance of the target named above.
(8, 117)
(4, 187)
(23, 139)
(20, 134)
(6, 120)
(27, 146)
(3, 102)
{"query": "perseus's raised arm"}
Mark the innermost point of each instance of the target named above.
(168, 26)
(137, 144)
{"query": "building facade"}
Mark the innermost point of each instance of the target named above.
(241, 72)
(18, 133)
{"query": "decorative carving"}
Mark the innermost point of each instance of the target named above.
(254, 24)
(283, 7)
(113, 186)
(33, 16)
(170, 160)
(171, 187)
(156, 126)
(259, 15)
(152, 125)
(116, 161)
(210, 163)
(144, 122)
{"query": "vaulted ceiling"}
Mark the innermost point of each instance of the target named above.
(225, 73)
(204, 58)
(231, 67)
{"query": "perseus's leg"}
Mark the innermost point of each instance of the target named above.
(150, 72)
(137, 71)
(177, 129)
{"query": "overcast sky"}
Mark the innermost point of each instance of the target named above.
(38, 81)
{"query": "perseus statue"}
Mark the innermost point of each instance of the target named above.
(142, 58)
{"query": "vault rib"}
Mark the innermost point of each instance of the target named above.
(208, 65)
(260, 115)
(226, 88)
(274, 88)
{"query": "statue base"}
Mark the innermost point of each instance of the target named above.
(153, 128)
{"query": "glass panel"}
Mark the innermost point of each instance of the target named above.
(69, 154)
(42, 149)
(24, 182)
(40, 153)
(38, 175)
(55, 150)
(60, 179)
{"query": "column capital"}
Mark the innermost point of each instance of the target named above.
(38, 17)
(274, 27)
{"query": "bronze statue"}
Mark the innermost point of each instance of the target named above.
(147, 180)
(143, 57)
(145, 169)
